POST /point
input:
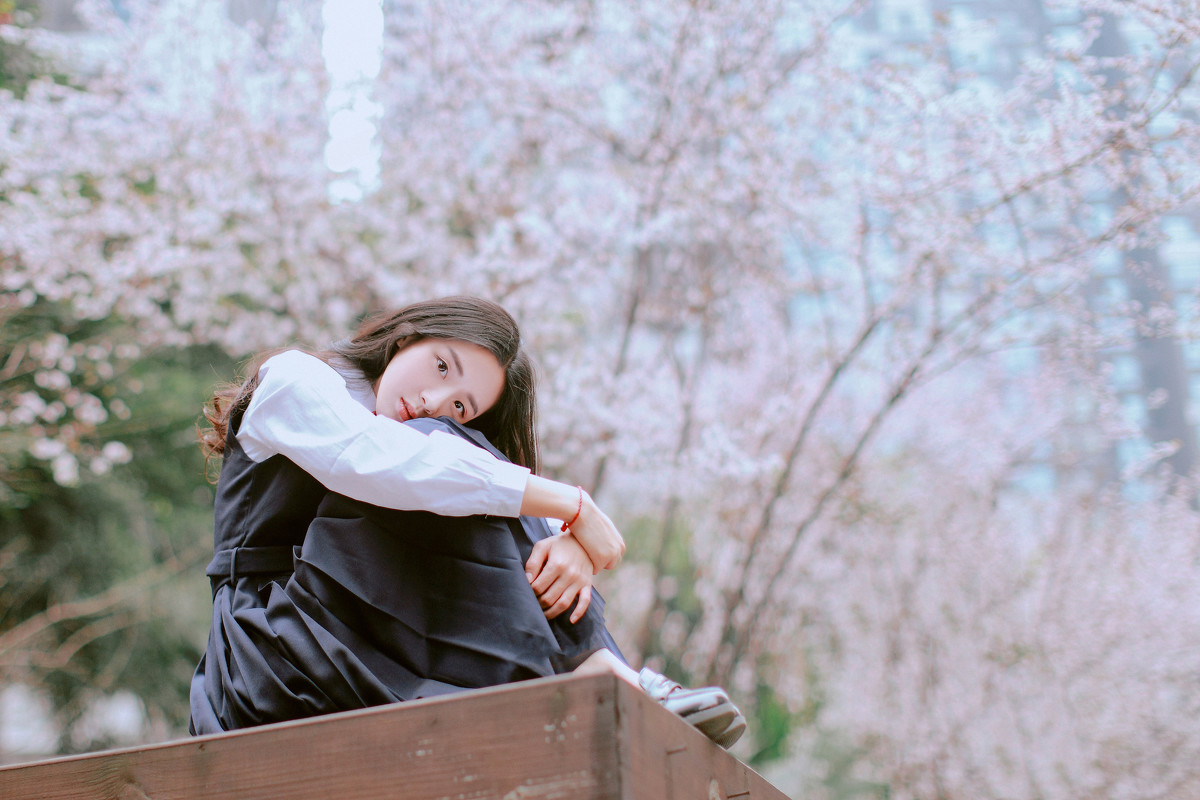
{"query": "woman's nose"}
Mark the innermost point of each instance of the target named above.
(433, 400)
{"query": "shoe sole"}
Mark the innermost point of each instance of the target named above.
(729, 737)
(709, 710)
(722, 723)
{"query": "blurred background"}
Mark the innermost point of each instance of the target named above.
(875, 326)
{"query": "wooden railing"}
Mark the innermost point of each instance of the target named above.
(574, 738)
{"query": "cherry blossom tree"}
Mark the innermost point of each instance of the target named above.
(161, 192)
(176, 185)
(825, 319)
(768, 254)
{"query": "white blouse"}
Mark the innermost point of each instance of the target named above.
(323, 421)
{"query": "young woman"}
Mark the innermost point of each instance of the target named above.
(329, 593)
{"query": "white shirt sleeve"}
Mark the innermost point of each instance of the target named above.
(303, 409)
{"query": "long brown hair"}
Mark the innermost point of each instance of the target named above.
(510, 425)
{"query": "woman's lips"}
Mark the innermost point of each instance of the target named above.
(406, 412)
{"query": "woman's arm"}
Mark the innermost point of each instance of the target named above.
(302, 409)
(593, 529)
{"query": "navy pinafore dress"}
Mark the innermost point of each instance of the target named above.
(323, 603)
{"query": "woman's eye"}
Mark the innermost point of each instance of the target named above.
(442, 366)
(462, 410)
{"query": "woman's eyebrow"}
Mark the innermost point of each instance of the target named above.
(458, 366)
(454, 358)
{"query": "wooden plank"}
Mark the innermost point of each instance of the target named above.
(583, 738)
(660, 756)
(543, 739)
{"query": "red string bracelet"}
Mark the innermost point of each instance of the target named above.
(578, 511)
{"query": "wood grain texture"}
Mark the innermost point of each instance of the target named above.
(660, 756)
(583, 738)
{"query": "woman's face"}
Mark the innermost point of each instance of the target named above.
(439, 378)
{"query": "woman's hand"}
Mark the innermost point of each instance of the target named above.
(598, 535)
(592, 528)
(559, 571)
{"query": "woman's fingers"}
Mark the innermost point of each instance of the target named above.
(562, 603)
(558, 578)
(549, 598)
(585, 600)
(535, 567)
(560, 566)
(564, 574)
(559, 597)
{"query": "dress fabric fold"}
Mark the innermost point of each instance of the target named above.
(382, 606)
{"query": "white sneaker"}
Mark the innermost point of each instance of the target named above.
(708, 709)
